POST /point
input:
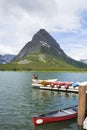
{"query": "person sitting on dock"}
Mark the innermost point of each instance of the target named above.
(34, 78)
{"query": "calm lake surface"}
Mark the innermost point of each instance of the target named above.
(19, 102)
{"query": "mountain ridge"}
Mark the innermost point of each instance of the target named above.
(5, 58)
(42, 51)
(41, 38)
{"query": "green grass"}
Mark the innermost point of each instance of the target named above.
(40, 66)
(41, 62)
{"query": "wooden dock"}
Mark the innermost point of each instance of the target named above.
(82, 99)
(62, 88)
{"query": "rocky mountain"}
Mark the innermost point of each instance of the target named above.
(83, 61)
(43, 49)
(6, 58)
(40, 40)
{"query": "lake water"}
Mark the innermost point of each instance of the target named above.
(19, 102)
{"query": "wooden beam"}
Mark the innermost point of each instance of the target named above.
(81, 104)
(79, 127)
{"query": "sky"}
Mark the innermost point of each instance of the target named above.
(65, 20)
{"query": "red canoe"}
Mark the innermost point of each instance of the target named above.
(60, 115)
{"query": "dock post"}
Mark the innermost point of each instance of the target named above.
(81, 104)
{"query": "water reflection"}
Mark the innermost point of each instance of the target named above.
(64, 125)
(47, 101)
(51, 100)
(19, 102)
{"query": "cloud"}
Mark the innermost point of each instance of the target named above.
(60, 15)
(76, 47)
(21, 19)
(78, 53)
(7, 49)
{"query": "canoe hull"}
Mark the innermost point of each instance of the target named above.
(40, 121)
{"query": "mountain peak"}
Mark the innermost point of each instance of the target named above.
(40, 35)
(43, 35)
(44, 48)
(39, 42)
(42, 31)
